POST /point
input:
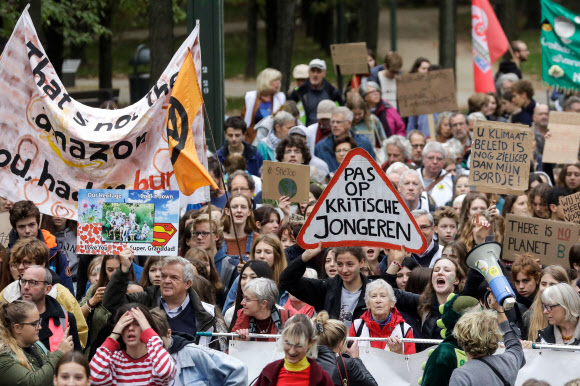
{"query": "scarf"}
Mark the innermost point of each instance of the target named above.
(272, 141)
(306, 309)
(276, 320)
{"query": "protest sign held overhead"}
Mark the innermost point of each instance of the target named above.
(564, 141)
(549, 241)
(360, 207)
(426, 93)
(350, 58)
(500, 157)
(145, 220)
(52, 146)
(285, 179)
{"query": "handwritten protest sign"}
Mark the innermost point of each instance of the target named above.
(5, 228)
(571, 207)
(285, 179)
(52, 146)
(427, 93)
(550, 241)
(562, 146)
(360, 207)
(145, 220)
(350, 58)
(500, 157)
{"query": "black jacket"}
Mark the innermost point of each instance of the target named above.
(548, 335)
(322, 294)
(356, 372)
(310, 98)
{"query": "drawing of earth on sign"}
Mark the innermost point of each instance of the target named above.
(287, 187)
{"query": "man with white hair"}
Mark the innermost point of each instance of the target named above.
(411, 190)
(398, 150)
(436, 181)
(340, 122)
(184, 310)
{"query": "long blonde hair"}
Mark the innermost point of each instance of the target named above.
(11, 314)
(538, 320)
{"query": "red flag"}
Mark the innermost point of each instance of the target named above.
(489, 44)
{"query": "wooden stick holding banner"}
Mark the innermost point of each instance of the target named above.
(431, 122)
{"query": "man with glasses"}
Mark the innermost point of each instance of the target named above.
(241, 183)
(33, 252)
(55, 320)
(340, 122)
(175, 296)
(418, 141)
(436, 181)
(460, 129)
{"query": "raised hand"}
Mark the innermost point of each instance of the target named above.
(140, 318)
(127, 257)
(66, 344)
(123, 322)
(310, 253)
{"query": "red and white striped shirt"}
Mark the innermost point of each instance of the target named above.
(112, 366)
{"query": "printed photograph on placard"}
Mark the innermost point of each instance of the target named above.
(127, 222)
(144, 220)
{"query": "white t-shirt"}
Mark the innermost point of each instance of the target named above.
(388, 89)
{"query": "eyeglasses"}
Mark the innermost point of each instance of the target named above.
(425, 227)
(247, 299)
(341, 151)
(31, 283)
(549, 307)
(16, 264)
(202, 234)
(374, 92)
(172, 278)
(36, 324)
(240, 190)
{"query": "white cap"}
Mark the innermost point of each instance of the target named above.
(317, 63)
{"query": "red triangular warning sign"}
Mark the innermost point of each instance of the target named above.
(360, 207)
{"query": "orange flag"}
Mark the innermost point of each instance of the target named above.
(184, 105)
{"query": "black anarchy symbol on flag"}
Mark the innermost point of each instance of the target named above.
(177, 131)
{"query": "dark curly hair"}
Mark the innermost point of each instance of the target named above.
(293, 142)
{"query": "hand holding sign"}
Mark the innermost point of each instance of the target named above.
(309, 254)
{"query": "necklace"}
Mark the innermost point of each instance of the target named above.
(567, 337)
(267, 329)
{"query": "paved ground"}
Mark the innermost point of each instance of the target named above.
(417, 36)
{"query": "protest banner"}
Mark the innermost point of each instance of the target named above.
(571, 207)
(360, 207)
(350, 58)
(426, 93)
(562, 146)
(52, 146)
(549, 241)
(112, 219)
(405, 370)
(285, 179)
(560, 40)
(500, 157)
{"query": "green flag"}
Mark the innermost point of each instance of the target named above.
(560, 46)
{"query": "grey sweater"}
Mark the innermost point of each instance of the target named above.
(475, 372)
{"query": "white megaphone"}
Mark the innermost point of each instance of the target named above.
(485, 259)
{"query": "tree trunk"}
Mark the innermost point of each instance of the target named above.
(271, 31)
(252, 39)
(447, 33)
(369, 23)
(507, 14)
(282, 53)
(106, 49)
(55, 46)
(160, 36)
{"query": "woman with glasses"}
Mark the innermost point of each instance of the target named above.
(24, 360)
(259, 313)
(341, 148)
(561, 306)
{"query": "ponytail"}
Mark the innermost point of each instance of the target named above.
(11, 314)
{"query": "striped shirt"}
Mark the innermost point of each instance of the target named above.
(112, 366)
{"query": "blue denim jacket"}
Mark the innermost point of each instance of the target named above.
(200, 365)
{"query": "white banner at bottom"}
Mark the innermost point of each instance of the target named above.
(405, 370)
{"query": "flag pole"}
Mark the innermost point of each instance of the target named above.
(241, 259)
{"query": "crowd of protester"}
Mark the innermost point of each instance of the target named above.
(130, 319)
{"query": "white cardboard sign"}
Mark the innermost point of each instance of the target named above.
(360, 207)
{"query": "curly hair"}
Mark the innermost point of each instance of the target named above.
(478, 333)
(293, 142)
